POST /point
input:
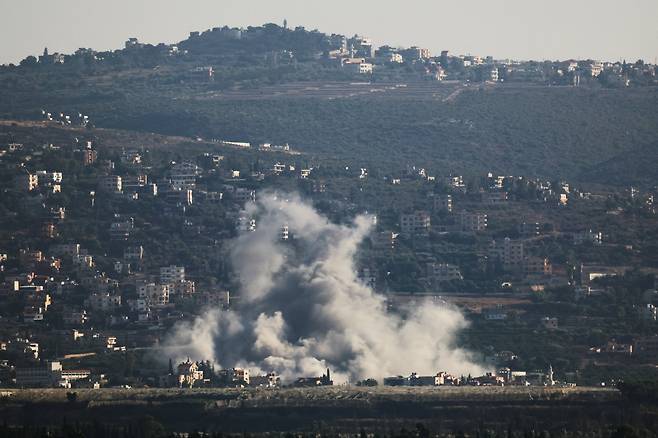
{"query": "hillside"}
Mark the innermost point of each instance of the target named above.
(270, 85)
(549, 132)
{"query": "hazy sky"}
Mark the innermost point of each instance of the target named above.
(521, 29)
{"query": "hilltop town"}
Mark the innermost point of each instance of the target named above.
(271, 50)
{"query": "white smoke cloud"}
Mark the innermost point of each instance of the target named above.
(302, 308)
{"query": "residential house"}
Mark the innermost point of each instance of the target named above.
(188, 374)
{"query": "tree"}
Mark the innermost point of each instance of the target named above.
(30, 61)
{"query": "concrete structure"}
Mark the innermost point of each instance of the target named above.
(182, 176)
(441, 272)
(154, 294)
(103, 302)
(26, 182)
(508, 252)
(110, 184)
(172, 274)
(472, 222)
(537, 266)
(234, 377)
(442, 203)
(47, 374)
(415, 223)
(270, 380)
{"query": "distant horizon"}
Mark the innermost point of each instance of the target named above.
(512, 29)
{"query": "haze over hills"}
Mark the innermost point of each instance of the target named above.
(333, 96)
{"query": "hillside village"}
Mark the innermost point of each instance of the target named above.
(110, 238)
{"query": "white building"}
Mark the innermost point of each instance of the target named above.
(357, 65)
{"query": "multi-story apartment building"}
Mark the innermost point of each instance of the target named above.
(418, 222)
(172, 274)
(473, 222)
(509, 252)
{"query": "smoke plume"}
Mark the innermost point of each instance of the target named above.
(302, 308)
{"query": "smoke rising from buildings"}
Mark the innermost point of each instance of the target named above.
(302, 308)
